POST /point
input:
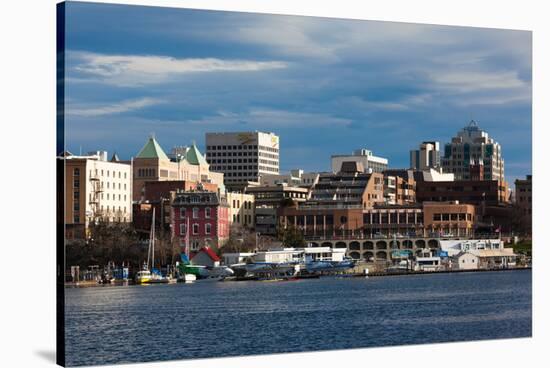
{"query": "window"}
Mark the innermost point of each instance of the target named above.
(182, 213)
(183, 229)
(76, 183)
(76, 172)
(207, 228)
(195, 212)
(207, 212)
(195, 229)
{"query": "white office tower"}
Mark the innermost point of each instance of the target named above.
(242, 156)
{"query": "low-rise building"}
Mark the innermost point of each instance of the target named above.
(350, 186)
(152, 164)
(200, 218)
(524, 198)
(486, 192)
(364, 156)
(485, 259)
(467, 261)
(96, 189)
(241, 209)
(295, 177)
(205, 257)
(267, 200)
(449, 218)
(455, 246)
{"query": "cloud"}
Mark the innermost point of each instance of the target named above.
(114, 108)
(131, 70)
(467, 81)
(267, 118)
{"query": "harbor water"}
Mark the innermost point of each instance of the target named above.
(122, 324)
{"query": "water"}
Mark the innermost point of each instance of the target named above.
(107, 325)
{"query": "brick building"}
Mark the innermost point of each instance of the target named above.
(206, 214)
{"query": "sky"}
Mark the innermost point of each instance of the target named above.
(325, 86)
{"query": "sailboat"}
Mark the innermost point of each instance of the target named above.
(187, 272)
(147, 275)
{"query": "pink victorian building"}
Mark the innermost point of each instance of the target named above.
(207, 216)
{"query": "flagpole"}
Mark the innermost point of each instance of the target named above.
(187, 239)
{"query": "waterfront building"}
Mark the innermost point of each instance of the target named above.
(453, 247)
(152, 164)
(467, 261)
(472, 143)
(383, 221)
(96, 189)
(449, 219)
(206, 214)
(243, 156)
(485, 259)
(241, 209)
(295, 177)
(323, 221)
(364, 156)
(159, 195)
(486, 192)
(235, 258)
(351, 185)
(523, 200)
(205, 257)
(268, 198)
(426, 157)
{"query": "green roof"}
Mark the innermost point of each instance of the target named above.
(152, 150)
(194, 156)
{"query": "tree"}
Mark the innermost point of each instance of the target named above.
(241, 239)
(291, 237)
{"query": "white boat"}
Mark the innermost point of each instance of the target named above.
(188, 278)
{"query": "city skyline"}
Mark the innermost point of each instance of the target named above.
(385, 86)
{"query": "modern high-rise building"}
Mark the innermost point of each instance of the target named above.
(364, 156)
(473, 146)
(426, 157)
(242, 156)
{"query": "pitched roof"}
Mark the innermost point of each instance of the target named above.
(194, 156)
(115, 158)
(152, 150)
(209, 252)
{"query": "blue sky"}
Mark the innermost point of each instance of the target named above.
(325, 86)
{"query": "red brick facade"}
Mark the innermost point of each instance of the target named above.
(207, 216)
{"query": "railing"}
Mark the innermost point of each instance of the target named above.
(400, 237)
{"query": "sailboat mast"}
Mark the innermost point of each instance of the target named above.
(153, 240)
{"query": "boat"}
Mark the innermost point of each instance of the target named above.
(143, 277)
(147, 275)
